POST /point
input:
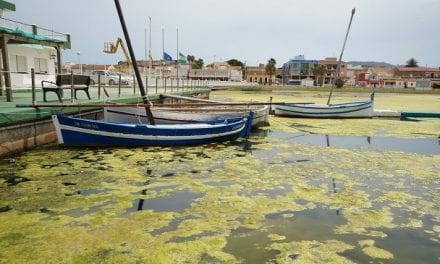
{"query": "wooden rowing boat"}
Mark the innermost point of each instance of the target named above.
(344, 110)
(199, 114)
(86, 132)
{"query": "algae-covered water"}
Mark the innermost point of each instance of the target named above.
(297, 191)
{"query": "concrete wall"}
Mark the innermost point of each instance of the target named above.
(22, 137)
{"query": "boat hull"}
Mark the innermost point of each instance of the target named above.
(345, 110)
(173, 116)
(85, 132)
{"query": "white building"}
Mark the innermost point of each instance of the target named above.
(25, 46)
(24, 57)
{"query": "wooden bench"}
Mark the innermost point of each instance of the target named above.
(64, 81)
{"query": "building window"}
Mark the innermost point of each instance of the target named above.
(18, 63)
(41, 65)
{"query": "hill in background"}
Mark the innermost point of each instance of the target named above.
(371, 64)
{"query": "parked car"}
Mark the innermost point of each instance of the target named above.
(108, 77)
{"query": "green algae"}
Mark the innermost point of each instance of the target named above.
(311, 252)
(377, 253)
(81, 205)
(275, 237)
(361, 221)
(370, 250)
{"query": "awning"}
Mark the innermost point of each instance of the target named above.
(7, 6)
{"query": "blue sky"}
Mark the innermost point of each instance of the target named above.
(249, 30)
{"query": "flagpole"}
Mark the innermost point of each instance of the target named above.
(149, 52)
(163, 53)
(145, 41)
(177, 56)
(146, 53)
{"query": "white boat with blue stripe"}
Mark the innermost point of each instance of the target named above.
(85, 132)
(362, 109)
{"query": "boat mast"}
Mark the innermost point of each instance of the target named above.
(134, 63)
(338, 68)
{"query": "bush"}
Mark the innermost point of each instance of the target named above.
(339, 83)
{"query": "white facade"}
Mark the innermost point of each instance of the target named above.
(307, 82)
(24, 57)
(236, 75)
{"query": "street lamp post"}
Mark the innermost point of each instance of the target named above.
(79, 61)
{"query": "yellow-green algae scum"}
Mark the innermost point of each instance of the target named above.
(263, 200)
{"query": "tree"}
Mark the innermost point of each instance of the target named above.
(412, 63)
(235, 62)
(339, 83)
(198, 64)
(271, 68)
(319, 70)
(190, 58)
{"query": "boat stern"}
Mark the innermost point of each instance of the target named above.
(248, 127)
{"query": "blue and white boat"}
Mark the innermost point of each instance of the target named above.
(85, 132)
(344, 110)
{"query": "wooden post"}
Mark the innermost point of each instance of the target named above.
(6, 69)
(165, 82)
(146, 84)
(119, 85)
(34, 101)
(99, 85)
(59, 62)
(134, 85)
(270, 106)
(72, 96)
(156, 85)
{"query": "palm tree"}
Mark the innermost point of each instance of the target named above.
(271, 68)
(198, 64)
(319, 70)
(412, 63)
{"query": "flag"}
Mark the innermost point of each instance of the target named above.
(182, 58)
(167, 57)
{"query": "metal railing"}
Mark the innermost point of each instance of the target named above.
(52, 34)
(11, 24)
(33, 29)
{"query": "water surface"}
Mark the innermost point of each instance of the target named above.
(277, 197)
